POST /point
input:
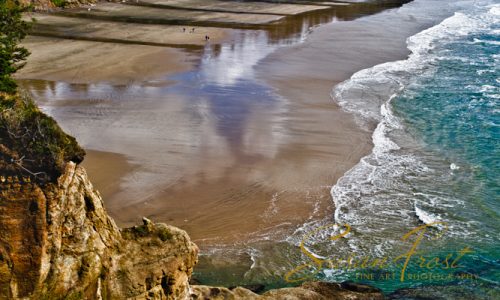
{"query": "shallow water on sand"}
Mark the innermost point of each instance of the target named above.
(206, 137)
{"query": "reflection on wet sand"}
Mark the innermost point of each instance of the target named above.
(215, 149)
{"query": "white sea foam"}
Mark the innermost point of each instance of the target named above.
(425, 217)
(378, 196)
(478, 41)
(254, 253)
(366, 91)
(368, 195)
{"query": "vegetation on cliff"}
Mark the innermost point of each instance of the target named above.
(12, 30)
(58, 3)
(31, 143)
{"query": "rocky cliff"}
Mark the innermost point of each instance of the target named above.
(56, 239)
(58, 242)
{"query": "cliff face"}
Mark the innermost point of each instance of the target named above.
(56, 241)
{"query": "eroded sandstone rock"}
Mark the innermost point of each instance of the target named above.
(57, 241)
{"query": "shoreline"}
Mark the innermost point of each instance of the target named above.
(229, 172)
(308, 83)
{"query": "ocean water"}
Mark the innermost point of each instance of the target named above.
(434, 165)
(433, 170)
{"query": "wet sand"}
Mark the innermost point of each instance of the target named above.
(192, 12)
(239, 141)
(107, 182)
(126, 33)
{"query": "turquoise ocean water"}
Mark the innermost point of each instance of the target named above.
(434, 166)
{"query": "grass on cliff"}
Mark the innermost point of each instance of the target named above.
(32, 142)
(59, 3)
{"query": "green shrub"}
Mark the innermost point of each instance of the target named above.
(164, 234)
(13, 29)
(140, 230)
(37, 144)
(75, 296)
(59, 3)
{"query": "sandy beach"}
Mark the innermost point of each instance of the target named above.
(75, 61)
(231, 140)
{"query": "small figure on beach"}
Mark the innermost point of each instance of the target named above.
(183, 29)
(207, 38)
(192, 30)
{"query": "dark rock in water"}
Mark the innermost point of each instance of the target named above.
(256, 288)
(359, 288)
(345, 290)
(307, 291)
(459, 291)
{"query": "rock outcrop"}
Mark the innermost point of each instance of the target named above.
(56, 239)
(57, 242)
(307, 291)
